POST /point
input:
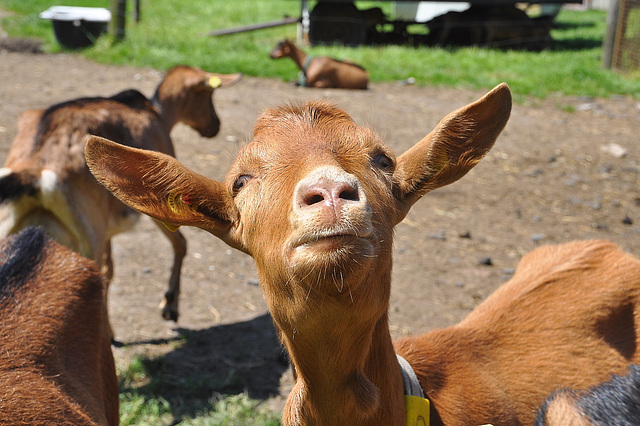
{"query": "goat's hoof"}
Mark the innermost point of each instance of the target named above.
(170, 314)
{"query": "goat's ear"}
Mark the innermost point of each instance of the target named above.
(458, 143)
(159, 186)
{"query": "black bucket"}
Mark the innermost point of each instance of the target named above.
(77, 27)
(78, 34)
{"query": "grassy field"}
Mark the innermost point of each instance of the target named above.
(161, 40)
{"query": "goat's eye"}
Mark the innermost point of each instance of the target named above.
(382, 161)
(240, 182)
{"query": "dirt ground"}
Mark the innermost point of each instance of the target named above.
(551, 177)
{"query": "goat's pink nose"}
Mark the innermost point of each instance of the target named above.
(328, 192)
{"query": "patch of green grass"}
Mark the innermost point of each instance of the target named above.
(139, 384)
(173, 33)
(150, 395)
(234, 410)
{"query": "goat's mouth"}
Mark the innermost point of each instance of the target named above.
(329, 241)
(332, 243)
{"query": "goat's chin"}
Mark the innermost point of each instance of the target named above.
(337, 253)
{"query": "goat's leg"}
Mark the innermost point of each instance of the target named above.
(107, 264)
(320, 83)
(106, 270)
(169, 305)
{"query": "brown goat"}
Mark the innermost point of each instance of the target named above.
(314, 199)
(322, 71)
(56, 365)
(46, 183)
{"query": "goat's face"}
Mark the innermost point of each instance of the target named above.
(189, 92)
(313, 198)
(313, 192)
(281, 50)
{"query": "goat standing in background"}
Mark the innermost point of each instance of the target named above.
(46, 182)
(322, 71)
(56, 365)
(314, 199)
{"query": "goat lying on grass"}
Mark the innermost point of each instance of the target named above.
(314, 199)
(56, 365)
(322, 71)
(45, 181)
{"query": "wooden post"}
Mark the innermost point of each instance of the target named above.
(118, 19)
(613, 16)
(303, 25)
(136, 13)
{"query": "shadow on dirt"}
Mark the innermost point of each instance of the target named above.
(220, 360)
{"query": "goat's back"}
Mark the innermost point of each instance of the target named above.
(54, 138)
(568, 318)
(56, 364)
(335, 73)
(46, 181)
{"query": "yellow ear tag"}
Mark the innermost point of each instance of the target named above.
(172, 228)
(215, 82)
(417, 410)
(178, 204)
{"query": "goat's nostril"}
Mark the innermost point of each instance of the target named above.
(350, 194)
(312, 199)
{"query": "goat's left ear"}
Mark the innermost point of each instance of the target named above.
(458, 143)
(159, 186)
(223, 80)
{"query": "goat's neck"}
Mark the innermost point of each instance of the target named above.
(299, 57)
(345, 364)
(166, 109)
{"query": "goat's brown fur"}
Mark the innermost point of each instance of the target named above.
(314, 199)
(322, 71)
(56, 365)
(46, 182)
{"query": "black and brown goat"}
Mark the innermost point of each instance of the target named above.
(46, 182)
(612, 403)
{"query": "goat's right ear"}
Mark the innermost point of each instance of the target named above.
(159, 186)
